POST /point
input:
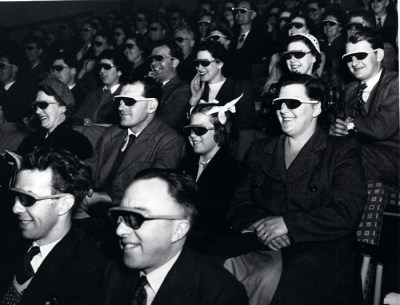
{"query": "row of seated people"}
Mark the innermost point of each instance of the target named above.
(320, 179)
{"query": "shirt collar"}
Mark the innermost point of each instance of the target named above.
(6, 87)
(112, 89)
(45, 250)
(131, 132)
(156, 277)
(373, 81)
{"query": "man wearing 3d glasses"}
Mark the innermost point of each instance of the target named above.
(371, 108)
(54, 264)
(152, 223)
(141, 141)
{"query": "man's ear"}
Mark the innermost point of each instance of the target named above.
(152, 106)
(253, 15)
(73, 71)
(66, 203)
(317, 110)
(119, 73)
(380, 54)
(181, 229)
(175, 62)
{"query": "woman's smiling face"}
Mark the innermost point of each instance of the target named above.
(212, 71)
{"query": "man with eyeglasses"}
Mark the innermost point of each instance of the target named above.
(371, 108)
(386, 20)
(16, 95)
(98, 106)
(315, 10)
(152, 223)
(54, 263)
(185, 39)
(177, 17)
(164, 61)
(64, 67)
(249, 44)
(157, 32)
(140, 141)
(86, 34)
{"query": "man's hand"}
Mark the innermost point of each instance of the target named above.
(339, 128)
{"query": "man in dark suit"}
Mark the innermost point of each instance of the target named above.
(175, 93)
(141, 141)
(248, 45)
(18, 95)
(152, 223)
(371, 108)
(386, 20)
(98, 106)
(56, 264)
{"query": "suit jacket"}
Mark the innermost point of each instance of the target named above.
(174, 101)
(216, 184)
(231, 89)
(193, 279)
(321, 198)
(70, 274)
(388, 31)
(252, 51)
(157, 146)
(99, 107)
(378, 131)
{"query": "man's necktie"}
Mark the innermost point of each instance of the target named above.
(379, 23)
(241, 41)
(120, 156)
(140, 296)
(360, 101)
(25, 271)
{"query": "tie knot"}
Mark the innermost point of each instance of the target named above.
(362, 87)
(32, 252)
(142, 282)
(241, 38)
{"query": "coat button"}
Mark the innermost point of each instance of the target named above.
(258, 186)
(313, 188)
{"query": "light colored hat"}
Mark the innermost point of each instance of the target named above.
(311, 38)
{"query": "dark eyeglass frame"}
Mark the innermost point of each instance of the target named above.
(242, 10)
(379, 1)
(129, 101)
(180, 39)
(134, 219)
(296, 54)
(198, 130)
(4, 64)
(28, 199)
(153, 29)
(296, 25)
(159, 58)
(329, 23)
(105, 66)
(312, 10)
(129, 45)
(42, 104)
(356, 26)
(59, 68)
(286, 19)
(29, 48)
(98, 43)
(358, 55)
(207, 23)
(216, 37)
(204, 63)
(291, 103)
(84, 29)
(118, 33)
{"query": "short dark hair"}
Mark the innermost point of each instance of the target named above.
(39, 41)
(152, 89)
(181, 187)
(217, 50)
(141, 42)
(70, 174)
(368, 17)
(368, 35)
(253, 5)
(12, 58)
(339, 14)
(114, 56)
(69, 60)
(175, 50)
(224, 134)
(315, 87)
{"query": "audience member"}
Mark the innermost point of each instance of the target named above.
(203, 27)
(120, 32)
(301, 195)
(211, 133)
(55, 264)
(185, 39)
(141, 141)
(222, 34)
(54, 107)
(141, 21)
(98, 106)
(16, 95)
(152, 223)
(315, 10)
(135, 50)
(227, 16)
(371, 108)
(34, 52)
(164, 61)
(210, 84)
(177, 17)
(386, 18)
(87, 31)
(157, 32)
(65, 68)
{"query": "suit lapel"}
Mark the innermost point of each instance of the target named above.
(273, 163)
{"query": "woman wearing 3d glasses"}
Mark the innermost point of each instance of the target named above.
(210, 133)
(53, 108)
(212, 86)
(301, 198)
